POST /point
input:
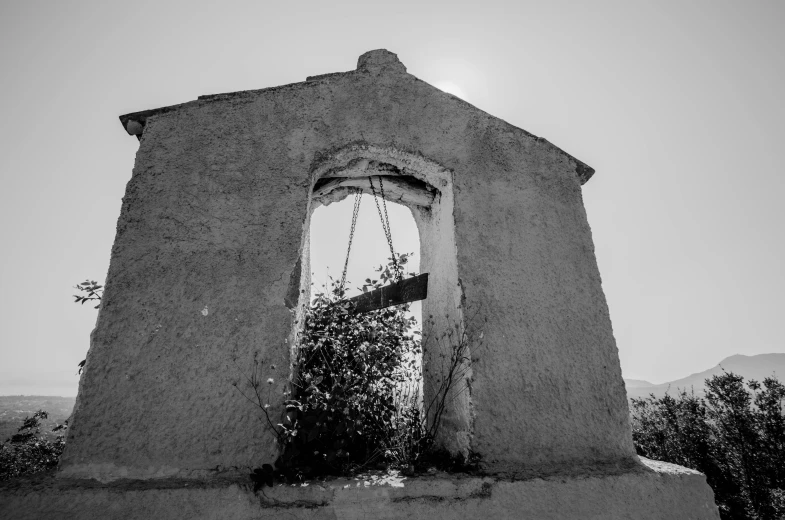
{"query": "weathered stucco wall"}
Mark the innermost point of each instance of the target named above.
(209, 236)
(547, 386)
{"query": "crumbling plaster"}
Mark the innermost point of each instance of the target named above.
(209, 239)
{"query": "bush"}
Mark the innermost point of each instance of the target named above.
(356, 396)
(30, 451)
(350, 372)
(735, 435)
(355, 389)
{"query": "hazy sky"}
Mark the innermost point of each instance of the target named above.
(677, 105)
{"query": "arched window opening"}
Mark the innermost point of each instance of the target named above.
(364, 383)
(357, 381)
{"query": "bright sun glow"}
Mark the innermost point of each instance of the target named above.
(451, 88)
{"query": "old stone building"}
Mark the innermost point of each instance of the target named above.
(210, 268)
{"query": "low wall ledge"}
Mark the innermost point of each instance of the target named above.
(652, 490)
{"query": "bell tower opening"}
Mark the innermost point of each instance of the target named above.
(365, 202)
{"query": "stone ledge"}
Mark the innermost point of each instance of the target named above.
(651, 491)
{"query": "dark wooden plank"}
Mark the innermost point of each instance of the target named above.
(409, 290)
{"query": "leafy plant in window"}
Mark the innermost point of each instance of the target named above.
(357, 398)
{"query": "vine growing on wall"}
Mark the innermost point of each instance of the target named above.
(90, 291)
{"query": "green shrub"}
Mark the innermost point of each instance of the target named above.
(355, 390)
(356, 396)
(735, 435)
(350, 371)
(30, 451)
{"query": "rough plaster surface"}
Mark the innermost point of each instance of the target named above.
(210, 244)
(652, 492)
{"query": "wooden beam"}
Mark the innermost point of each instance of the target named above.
(409, 290)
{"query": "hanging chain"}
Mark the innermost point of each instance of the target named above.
(386, 226)
(357, 200)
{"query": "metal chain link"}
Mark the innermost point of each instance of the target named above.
(357, 199)
(386, 226)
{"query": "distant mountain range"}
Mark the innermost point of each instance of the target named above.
(750, 367)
